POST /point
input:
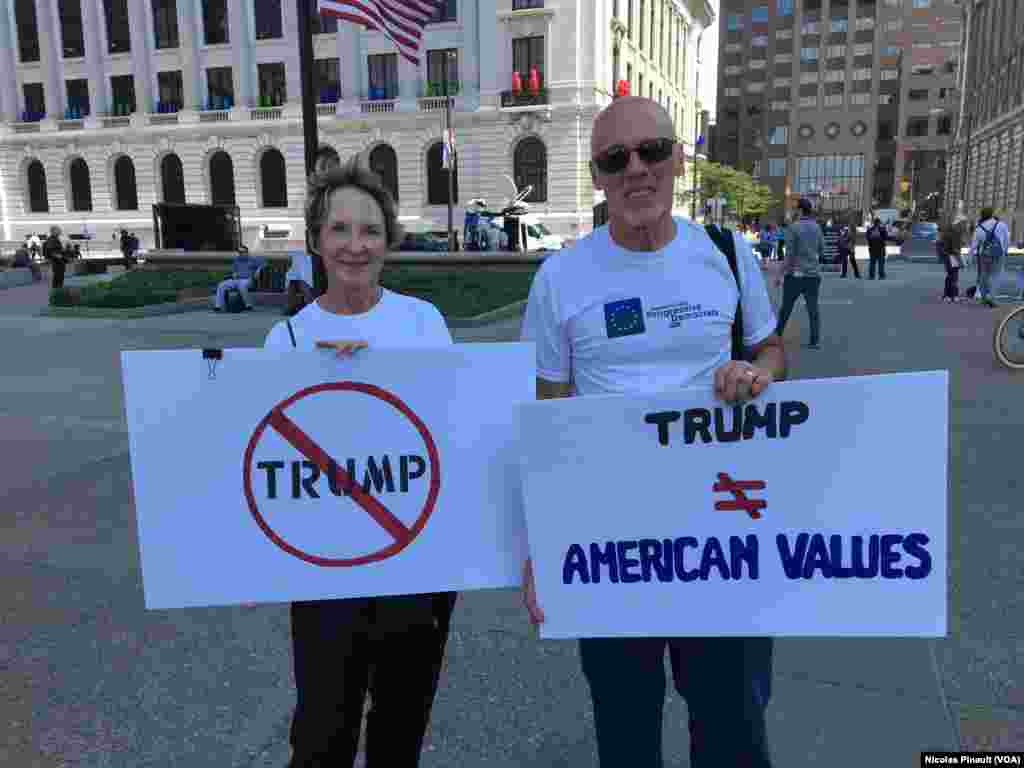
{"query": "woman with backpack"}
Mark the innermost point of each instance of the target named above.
(989, 246)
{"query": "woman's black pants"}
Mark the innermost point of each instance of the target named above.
(952, 290)
(340, 654)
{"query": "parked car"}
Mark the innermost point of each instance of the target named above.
(898, 230)
(423, 241)
(919, 242)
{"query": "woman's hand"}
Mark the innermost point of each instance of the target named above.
(343, 348)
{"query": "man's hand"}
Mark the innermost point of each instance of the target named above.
(736, 381)
(343, 348)
(530, 594)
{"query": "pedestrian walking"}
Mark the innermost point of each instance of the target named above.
(876, 236)
(53, 252)
(848, 249)
(780, 240)
(391, 647)
(989, 247)
(805, 246)
(647, 258)
(950, 245)
(299, 282)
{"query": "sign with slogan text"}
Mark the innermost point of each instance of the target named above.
(817, 509)
(298, 476)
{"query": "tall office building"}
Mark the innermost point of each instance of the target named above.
(846, 102)
(110, 106)
(987, 160)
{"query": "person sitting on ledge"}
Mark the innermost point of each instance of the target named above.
(244, 269)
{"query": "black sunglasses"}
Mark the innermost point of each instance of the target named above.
(616, 158)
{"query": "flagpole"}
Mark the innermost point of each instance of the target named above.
(451, 154)
(309, 127)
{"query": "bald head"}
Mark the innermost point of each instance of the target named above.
(623, 111)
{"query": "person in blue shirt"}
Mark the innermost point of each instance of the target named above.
(244, 269)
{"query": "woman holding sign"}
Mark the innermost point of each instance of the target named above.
(390, 646)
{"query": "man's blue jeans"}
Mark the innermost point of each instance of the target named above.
(726, 682)
(989, 276)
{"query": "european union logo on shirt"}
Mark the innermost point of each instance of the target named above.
(624, 318)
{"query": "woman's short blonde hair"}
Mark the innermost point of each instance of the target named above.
(353, 173)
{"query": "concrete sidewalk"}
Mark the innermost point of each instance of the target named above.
(93, 679)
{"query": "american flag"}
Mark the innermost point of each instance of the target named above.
(402, 21)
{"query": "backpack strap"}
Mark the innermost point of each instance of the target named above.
(291, 331)
(722, 238)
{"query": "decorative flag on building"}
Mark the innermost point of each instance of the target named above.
(448, 149)
(402, 21)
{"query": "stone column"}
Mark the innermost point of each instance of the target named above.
(142, 55)
(490, 41)
(469, 63)
(8, 62)
(190, 37)
(47, 25)
(241, 32)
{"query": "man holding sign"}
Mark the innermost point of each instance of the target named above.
(648, 304)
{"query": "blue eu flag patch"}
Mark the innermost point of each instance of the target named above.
(624, 318)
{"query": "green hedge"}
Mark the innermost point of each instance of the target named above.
(138, 288)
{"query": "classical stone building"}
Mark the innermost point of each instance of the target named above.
(987, 162)
(110, 106)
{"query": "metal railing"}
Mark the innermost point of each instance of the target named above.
(164, 119)
(377, 106)
(326, 110)
(121, 121)
(266, 113)
(70, 125)
(433, 103)
(26, 127)
(214, 116)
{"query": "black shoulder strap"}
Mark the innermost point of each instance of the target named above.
(722, 238)
(291, 332)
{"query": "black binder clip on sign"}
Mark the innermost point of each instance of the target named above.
(211, 356)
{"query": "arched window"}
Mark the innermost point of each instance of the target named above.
(326, 156)
(384, 163)
(172, 176)
(81, 187)
(38, 202)
(272, 179)
(127, 197)
(530, 166)
(437, 178)
(222, 179)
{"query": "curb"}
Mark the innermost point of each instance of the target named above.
(153, 310)
(501, 313)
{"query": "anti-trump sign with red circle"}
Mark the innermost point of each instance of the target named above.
(399, 477)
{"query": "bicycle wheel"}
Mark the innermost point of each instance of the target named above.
(1008, 339)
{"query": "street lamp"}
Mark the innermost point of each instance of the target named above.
(449, 56)
(696, 129)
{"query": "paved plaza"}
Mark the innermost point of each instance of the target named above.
(92, 679)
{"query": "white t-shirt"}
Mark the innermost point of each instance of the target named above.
(301, 268)
(394, 321)
(618, 321)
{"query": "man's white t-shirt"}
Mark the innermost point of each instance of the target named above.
(616, 321)
(395, 321)
(301, 268)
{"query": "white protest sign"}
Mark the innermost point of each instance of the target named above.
(299, 476)
(820, 511)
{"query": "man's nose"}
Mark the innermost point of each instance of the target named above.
(635, 164)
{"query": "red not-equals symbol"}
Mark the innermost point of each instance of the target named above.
(726, 484)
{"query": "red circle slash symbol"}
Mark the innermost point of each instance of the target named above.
(293, 434)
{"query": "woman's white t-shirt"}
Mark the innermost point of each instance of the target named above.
(394, 321)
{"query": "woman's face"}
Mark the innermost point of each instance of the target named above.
(353, 239)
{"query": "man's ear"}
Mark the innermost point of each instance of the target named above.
(593, 177)
(679, 159)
